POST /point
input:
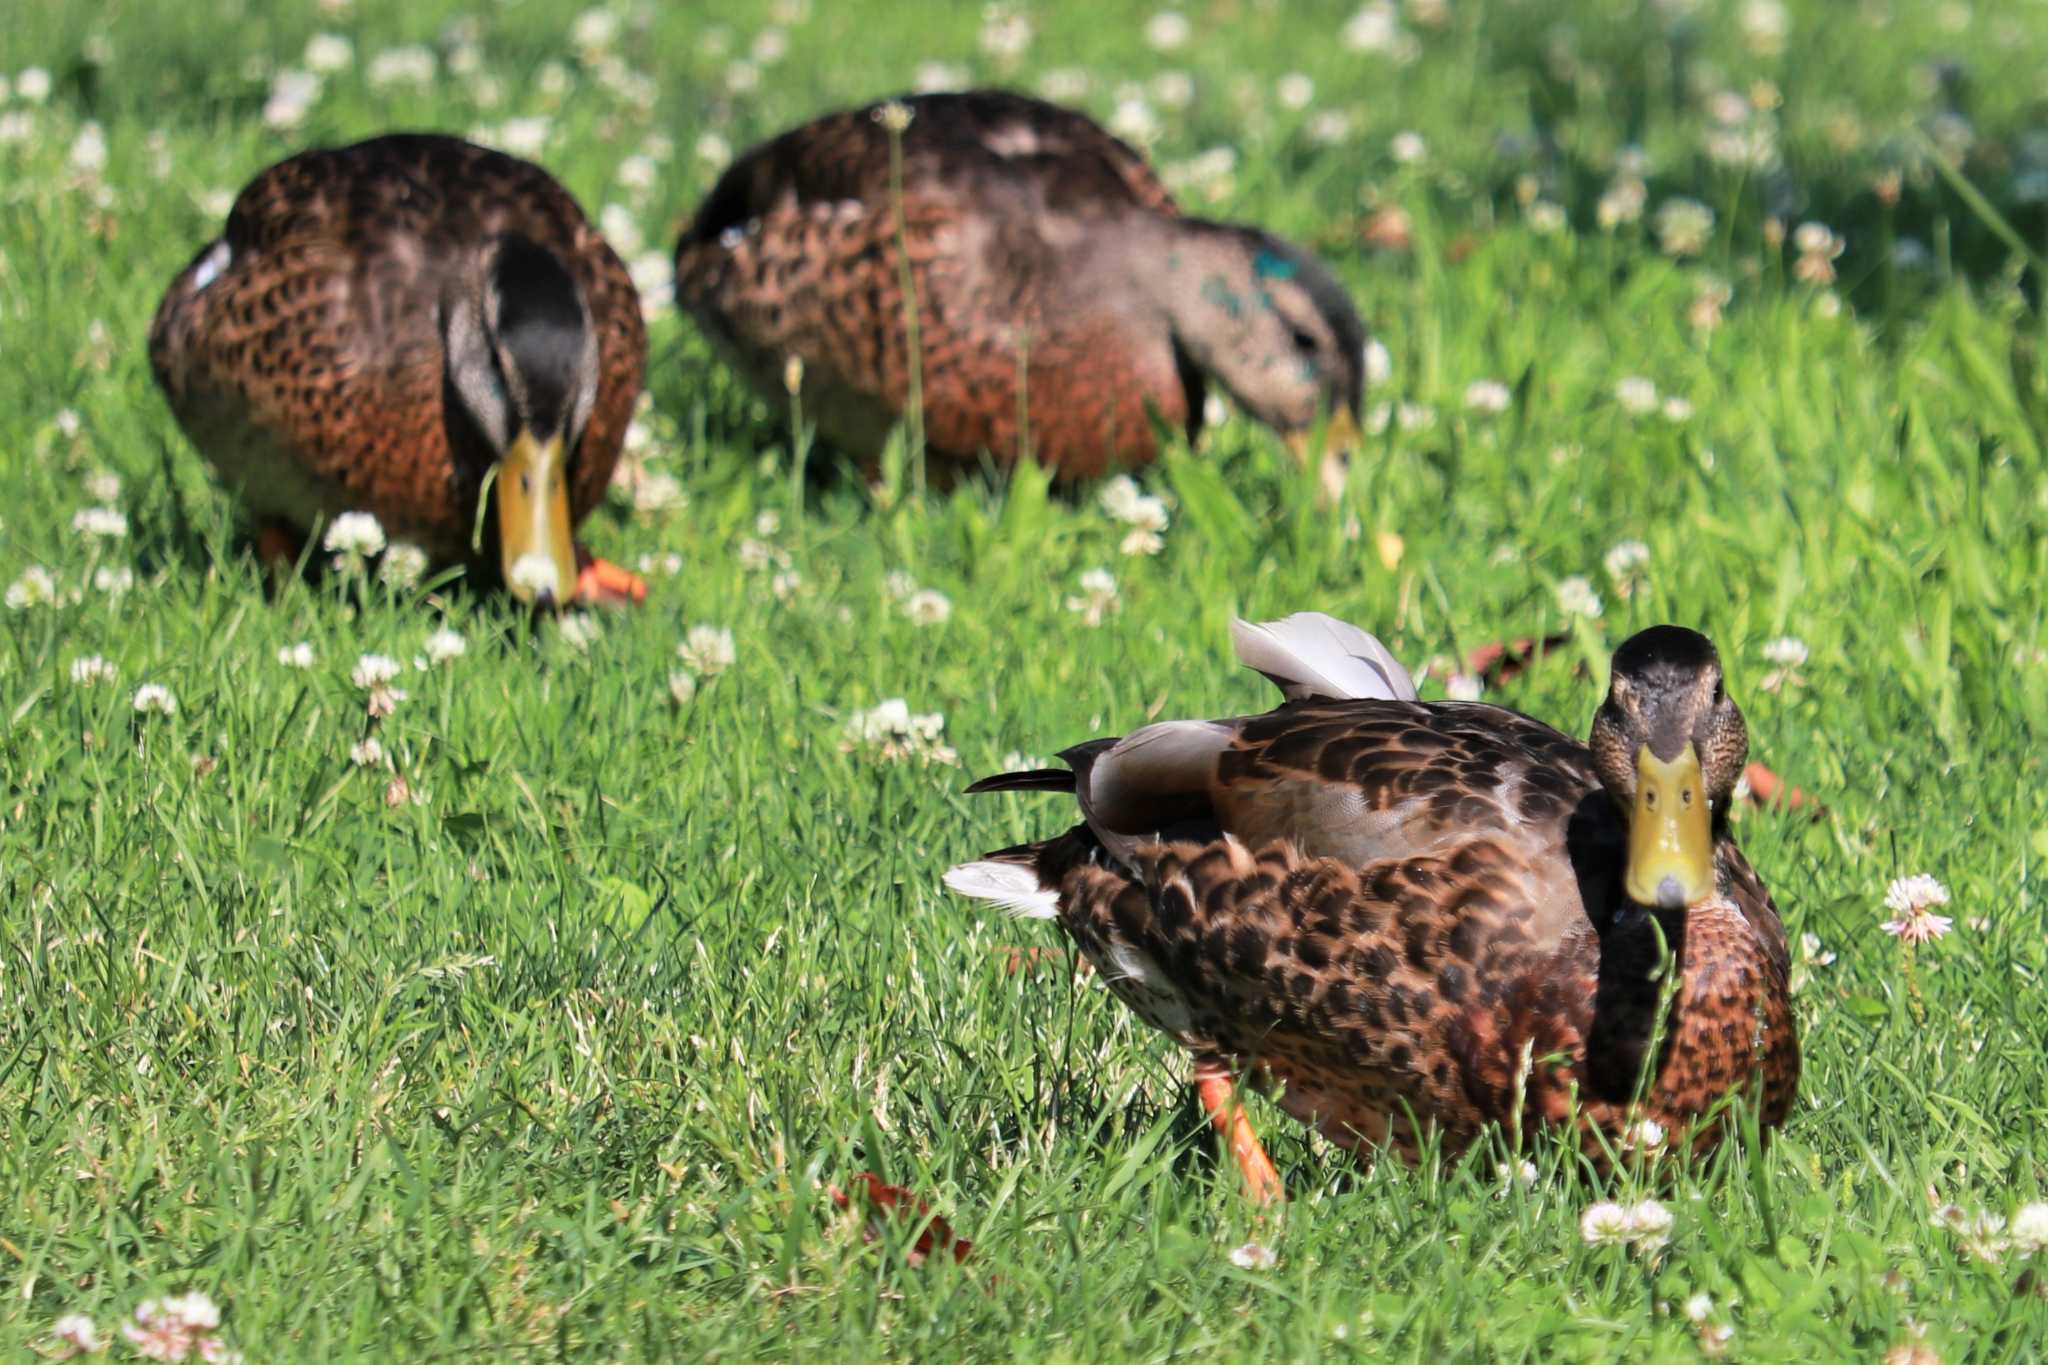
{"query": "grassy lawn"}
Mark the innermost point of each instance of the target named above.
(542, 1033)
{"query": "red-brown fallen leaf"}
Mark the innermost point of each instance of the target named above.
(895, 1201)
(1017, 959)
(1500, 660)
(1766, 788)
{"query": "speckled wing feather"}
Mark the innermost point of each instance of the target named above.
(796, 254)
(302, 351)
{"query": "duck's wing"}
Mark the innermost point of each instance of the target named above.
(970, 144)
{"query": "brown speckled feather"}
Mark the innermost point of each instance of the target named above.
(303, 351)
(1388, 909)
(1006, 201)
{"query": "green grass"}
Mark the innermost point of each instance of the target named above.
(555, 1060)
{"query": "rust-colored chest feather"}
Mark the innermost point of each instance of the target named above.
(1428, 995)
(303, 351)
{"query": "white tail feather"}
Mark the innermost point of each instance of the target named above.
(1312, 655)
(1010, 885)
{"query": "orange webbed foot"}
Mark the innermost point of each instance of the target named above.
(599, 582)
(1218, 1089)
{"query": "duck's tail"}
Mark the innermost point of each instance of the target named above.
(1310, 655)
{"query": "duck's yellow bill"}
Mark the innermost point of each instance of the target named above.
(1341, 437)
(532, 489)
(1670, 834)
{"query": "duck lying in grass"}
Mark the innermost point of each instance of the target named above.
(395, 327)
(1418, 920)
(1064, 304)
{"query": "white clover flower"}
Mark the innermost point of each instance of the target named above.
(1622, 202)
(682, 687)
(35, 588)
(1764, 25)
(1911, 901)
(327, 53)
(1141, 542)
(409, 65)
(708, 649)
(113, 579)
(1488, 397)
(785, 585)
(533, 575)
(579, 629)
(1677, 410)
(527, 137)
(445, 644)
(103, 484)
(155, 699)
(1124, 502)
(1407, 147)
(89, 670)
(354, 533)
(1714, 1339)
(1134, 121)
(1167, 31)
(374, 670)
(1295, 91)
(1575, 597)
(367, 753)
(1645, 1134)
(637, 172)
(1098, 596)
(893, 729)
(1546, 217)
(1636, 395)
(1605, 1224)
(928, 607)
(1649, 1225)
(1683, 226)
(713, 150)
(1699, 1308)
(1464, 687)
(292, 93)
(78, 1332)
(594, 30)
(895, 115)
(1378, 366)
(1787, 651)
(1626, 559)
(1817, 955)
(403, 565)
(298, 655)
(1064, 84)
(898, 584)
(770, 46)
(89, 150)
(1005, 33)
(1377, 28)
(1176, 90)
(1523, 1172)
(399, 792)
(1253, 1256)
(2029, 1232)
(32, 85)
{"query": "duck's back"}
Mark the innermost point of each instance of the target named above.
(302, 350)
(797, 254)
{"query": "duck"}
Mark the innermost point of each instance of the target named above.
(1416, 923)
(398, 327)
(1066, 308)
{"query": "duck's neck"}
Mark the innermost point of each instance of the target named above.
(1642, 965)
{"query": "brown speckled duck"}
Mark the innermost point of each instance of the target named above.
(1416, 918)
(1064, 303)
(393, 326)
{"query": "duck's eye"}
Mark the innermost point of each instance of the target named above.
(1650, 798)
(1685, 796)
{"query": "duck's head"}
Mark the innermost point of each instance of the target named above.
(1669, 745)
(1270, 323)
(522, 362)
